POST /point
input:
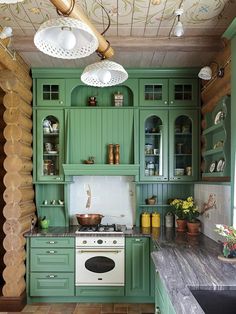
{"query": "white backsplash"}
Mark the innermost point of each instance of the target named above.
(215, 200)
(112, 196)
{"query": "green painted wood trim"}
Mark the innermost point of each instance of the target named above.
(112, 170)
(133, 72)
(231, 31)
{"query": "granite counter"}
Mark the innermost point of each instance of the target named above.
(185, 262)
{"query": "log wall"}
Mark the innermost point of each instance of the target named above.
(17, 193)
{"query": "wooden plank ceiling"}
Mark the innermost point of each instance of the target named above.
(141, 31)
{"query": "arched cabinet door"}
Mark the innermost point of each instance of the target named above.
(183, 145)
(50, 145)
(153, 145)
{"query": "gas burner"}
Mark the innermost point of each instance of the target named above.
(106, 228)
(99, 229)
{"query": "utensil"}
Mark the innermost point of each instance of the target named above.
(89, 219)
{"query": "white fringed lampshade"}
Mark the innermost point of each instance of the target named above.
(10, 1)
(104, 73)
(65, 38)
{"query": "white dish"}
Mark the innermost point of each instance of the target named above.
(212, 166)
(219, 117)
(52, 152)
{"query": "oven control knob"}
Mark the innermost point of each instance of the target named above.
(84, 241)
(99, 241)
(114, 242)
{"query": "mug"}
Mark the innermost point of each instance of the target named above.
(44, 224)
(48, 147)
(189, 171)
(55, 127)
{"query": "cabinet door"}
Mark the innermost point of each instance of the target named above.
(183, 145)
(50, 92)
(183, 92)
(50, 145)
(153, 92)
(137, 267)
(153, 145)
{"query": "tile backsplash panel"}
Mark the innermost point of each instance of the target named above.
(215, 200)
(111, 196)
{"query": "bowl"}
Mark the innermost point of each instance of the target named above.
(179, 171)
(150, 201)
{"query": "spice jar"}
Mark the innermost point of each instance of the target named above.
(156, 220)
(169, 220)
(146, 220)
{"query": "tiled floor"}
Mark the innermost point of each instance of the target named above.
(86, 308)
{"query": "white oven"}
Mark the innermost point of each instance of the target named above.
(100, 260)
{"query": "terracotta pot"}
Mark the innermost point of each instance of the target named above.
(181, 225)
(193, 227)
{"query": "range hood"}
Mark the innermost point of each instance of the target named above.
(101, 170)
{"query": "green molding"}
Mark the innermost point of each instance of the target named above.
(231, 30)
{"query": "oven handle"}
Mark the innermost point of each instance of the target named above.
(99, 251)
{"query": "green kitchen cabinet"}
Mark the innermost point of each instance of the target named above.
(137, 267)
(153, 92)
(216, 143)
(51, 202)
(183, 92)
(50, 92)
(169, 145)
(51, 266)
(183, 145)
(153, 145)
(50, 145)
(163, 304)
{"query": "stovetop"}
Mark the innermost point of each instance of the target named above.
(101, 228)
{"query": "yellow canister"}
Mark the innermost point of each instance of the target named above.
(146, 220)
(156, 220)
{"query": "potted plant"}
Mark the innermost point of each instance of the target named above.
(192, 213)
(229, 245)
(177, 209)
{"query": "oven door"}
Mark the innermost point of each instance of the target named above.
(98, 267)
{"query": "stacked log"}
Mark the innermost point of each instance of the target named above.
(19, 206)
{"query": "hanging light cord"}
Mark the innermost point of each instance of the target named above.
(68, 12)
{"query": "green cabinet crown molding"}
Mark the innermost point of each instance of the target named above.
(231, 30)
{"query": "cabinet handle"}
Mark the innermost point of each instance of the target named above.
(51, 252)
(171, 102)
(51, 242)
(57, 178)
(138, 240)
(60, 102)
(165, 102)
(51, 276)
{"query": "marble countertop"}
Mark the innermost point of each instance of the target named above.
(185, 262)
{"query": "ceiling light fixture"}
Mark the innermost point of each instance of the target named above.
(5, 34)
(10, 1)
(104, 73)
(206, 72)
(65, 38)
(178, 29)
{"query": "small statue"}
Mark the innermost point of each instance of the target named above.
(92, 101)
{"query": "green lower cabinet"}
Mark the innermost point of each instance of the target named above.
(52, 284)
(51, 267)
(95, 291)
(137, 267)
(163, 304)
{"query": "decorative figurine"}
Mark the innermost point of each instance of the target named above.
(92, 101)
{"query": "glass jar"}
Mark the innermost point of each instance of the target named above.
(156, 220)
(47, 167)
(151, 168)
(146, 220)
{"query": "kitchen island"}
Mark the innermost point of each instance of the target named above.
(184, 262)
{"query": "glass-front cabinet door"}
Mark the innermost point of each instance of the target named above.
(51, 92)
(183, 92)
(153, 145)
(183, 145)
(153, 92)
(50, 133)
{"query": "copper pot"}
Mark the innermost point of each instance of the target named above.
(89, 219)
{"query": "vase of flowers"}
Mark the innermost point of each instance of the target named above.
(229, 245)
(177, 205)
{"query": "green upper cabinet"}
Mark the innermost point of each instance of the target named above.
(183, 145)
(50, 92)
(169, 145)
(50, 144)
(183, 92)
(153, 145)
(153, 92)
(137, 266)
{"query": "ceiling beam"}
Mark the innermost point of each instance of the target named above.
(65, 5)
(183, 44)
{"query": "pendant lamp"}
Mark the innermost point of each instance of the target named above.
(104, 73)
(178, 29)
(10, 1)
(65, 38)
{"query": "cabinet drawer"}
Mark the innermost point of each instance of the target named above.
(52, 284)
(53, 242)
(52, 259)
